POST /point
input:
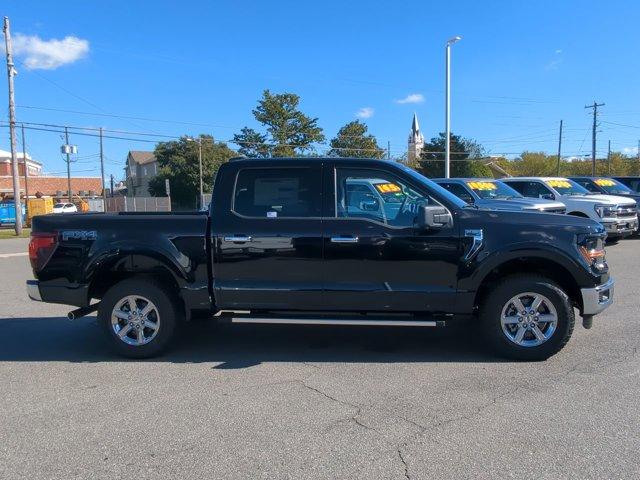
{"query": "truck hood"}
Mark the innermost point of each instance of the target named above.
(536, 219)
(517, 204)
(601, 199)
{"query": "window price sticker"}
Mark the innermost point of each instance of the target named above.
(482, 185)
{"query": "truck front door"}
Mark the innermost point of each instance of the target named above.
(376, 259)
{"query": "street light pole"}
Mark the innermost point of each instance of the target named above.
(447, 115)
(200, 164)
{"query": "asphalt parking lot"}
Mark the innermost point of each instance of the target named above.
(314, 402)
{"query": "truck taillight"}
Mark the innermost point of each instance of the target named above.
(41, 248)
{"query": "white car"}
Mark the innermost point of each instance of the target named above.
(618, 215)
(64, 208)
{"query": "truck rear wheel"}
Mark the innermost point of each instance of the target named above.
(138, 318)
(527, 317)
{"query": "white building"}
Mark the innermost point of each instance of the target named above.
(416, 142)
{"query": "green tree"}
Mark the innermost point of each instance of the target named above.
(289, 131)
(354, 141)
(536, 164)
(252, 144)
(178, 162)
(464, 153)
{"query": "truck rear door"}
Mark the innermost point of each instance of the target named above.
(267, 237)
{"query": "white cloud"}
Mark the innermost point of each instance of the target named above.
(365, 112)
(630, 150)
(412, 98)
(38, 54)
(555, 63)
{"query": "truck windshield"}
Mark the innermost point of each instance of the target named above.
(492, 190)
(565, 186)
(612, 186)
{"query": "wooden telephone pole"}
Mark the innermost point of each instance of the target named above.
(11, 71)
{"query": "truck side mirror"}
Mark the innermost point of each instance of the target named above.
(547, 196)
(433, 217)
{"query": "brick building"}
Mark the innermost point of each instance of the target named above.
(47, 185)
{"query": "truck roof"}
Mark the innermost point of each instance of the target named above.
(310, 159)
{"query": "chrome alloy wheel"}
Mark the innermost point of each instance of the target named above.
(135, 320)
(529, 319)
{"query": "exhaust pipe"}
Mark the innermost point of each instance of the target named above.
(82, 311)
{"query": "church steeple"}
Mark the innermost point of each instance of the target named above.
(416, 141)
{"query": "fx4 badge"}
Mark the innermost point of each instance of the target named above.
(79, 235)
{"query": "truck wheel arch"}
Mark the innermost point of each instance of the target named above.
(538, 265)
(124, 266)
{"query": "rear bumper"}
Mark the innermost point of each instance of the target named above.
(76, 295)
(597, 299)
(33, 290)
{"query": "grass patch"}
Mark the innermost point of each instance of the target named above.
(11, 233)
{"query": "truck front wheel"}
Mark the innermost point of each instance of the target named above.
(138, 318)
(527, 317)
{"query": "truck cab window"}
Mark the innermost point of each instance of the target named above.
(377, 195)
(277, 193)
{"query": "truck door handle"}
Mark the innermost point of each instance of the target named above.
(344, 239)
(238, 238)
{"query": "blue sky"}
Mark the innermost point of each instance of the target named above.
(520, 68)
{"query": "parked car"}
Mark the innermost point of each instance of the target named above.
(607, 186)
(632, 182)
(280, 246)
(493, 194)
(617, 214)
(64, 208)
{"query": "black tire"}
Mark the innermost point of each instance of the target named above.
(498, 297)
(167, 311)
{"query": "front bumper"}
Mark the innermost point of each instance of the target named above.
(596, 299)
(620, 226)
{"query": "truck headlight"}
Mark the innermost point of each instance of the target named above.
(592, 250)
(605, 210)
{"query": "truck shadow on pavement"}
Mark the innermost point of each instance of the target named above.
(242, 346)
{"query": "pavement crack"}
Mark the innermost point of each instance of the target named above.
(404, 463)
(352, 418)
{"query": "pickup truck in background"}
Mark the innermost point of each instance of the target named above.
(493, 194)
(618, 215)
(632, 182)
(607, 186)
(302, 241)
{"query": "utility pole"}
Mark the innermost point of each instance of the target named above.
(609, 158)
(593, 135)
(388, 150)
(104, 194)
(559, 147)
(111, 191)
(67, 151)
(11, 71)
(26, 173)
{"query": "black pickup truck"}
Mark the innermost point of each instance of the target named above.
(326, 241)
